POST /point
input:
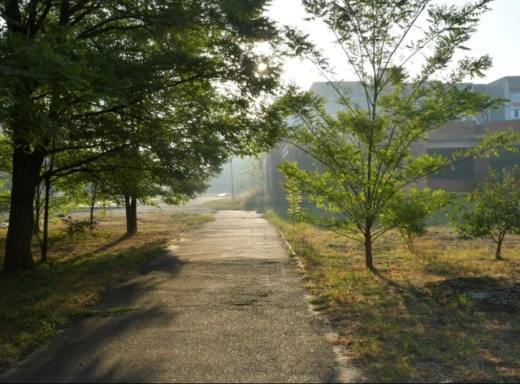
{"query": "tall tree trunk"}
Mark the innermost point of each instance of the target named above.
(131, 215)
(92, 203)
(26, 169)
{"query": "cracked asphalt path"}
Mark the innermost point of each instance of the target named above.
(225, 304)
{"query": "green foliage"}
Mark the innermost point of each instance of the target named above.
(75, 229)
(163, 93)
(60, 204)
(409, 212)
(365, 149)
(493, 210)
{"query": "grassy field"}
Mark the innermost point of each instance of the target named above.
(447, 313)
(34, 305)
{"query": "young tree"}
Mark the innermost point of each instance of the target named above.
(57, 195)
(54, 204)
(410, 211)
(294, 199)
(493, 210)
(183, 151)
(131, 176)
(76, 76)
(365, 148)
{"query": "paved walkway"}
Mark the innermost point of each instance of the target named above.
(224, 305)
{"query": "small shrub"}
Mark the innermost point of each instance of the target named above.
(461, 300)
(75, 229)
(253, 198)
(409, 213)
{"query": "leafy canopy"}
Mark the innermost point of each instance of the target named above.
(365, 148)
(85, 79)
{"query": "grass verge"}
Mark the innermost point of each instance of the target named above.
(447, 313)
(37, 303)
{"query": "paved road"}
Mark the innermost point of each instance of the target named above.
(225, 304)
(193, 206)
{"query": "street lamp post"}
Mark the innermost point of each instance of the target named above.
(232, 183)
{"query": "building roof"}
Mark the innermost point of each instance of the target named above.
(513, 80)
(355, 90)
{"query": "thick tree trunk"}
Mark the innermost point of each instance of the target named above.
(26, 169)
(92, 203)
(131, 215)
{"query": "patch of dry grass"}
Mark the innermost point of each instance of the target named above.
(226, 203)
(421, 320)
(35, 304)
(253, 199)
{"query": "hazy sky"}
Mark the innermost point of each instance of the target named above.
(498, 36)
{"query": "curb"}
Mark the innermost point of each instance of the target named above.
(345, 372)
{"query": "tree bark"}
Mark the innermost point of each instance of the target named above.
(368, 245)
(368, 254)
(498, 252)
(131, 215)
(26, 169)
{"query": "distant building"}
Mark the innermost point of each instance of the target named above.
(453, 137)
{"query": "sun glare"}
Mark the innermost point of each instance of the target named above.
(261, 67)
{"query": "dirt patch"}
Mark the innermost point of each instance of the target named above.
(487, 293)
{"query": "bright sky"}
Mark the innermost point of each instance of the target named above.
(497, 36)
